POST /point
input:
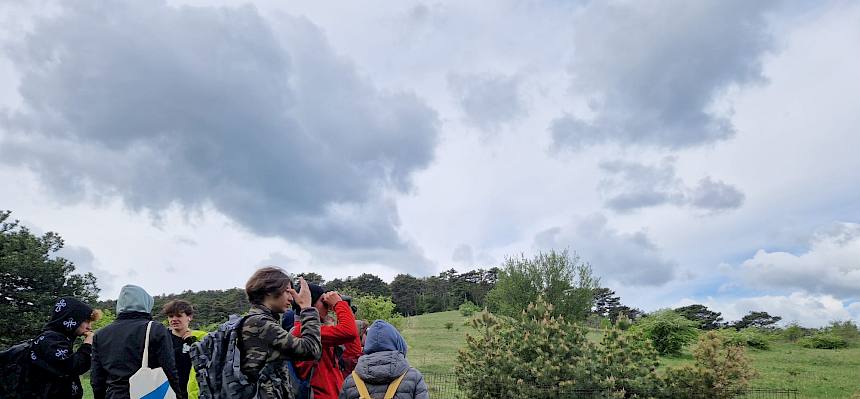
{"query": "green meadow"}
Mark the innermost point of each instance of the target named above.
(815, 373)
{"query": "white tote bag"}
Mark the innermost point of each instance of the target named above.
(149, 383)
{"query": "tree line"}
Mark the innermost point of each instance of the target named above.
(32, 277)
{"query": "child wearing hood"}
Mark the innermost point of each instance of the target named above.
(118, 347)
(54, 368)
(384, 368)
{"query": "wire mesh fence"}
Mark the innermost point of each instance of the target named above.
(446, 386)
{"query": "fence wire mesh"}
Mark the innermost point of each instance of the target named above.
(446, 386)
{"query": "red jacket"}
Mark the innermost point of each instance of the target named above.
(351, 353)
(327, 379)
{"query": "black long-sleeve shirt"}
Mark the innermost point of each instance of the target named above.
(55, 367)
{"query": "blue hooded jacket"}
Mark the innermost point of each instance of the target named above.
(384, 360)
(382, 336)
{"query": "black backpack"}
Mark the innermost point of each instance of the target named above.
(13, 366)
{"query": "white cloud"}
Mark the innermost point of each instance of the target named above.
(830, 266)
(810, 310)
(789, 144)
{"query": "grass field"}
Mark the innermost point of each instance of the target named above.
(815, 373)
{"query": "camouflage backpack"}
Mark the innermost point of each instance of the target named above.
(217, 359)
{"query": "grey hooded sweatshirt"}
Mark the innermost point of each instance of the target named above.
(118, 347)
(384, 360)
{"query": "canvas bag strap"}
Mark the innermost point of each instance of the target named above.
(392, 389)
(145, 363)
(362, 389)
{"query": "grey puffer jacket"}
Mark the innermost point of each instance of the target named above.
(378, 370)
(384, 360)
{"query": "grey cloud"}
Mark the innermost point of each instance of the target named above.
(631, 185)
(85, 262)
(634, 185)
(186, 241)
(488, 101)
(625, 258)
(192, 106)
(409, 260)
(653, 69)
(277, 259)
(463, 254)
(715, 195)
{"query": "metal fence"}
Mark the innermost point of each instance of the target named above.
(445, 386)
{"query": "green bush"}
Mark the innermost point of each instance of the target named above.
(668, 331)
(449, 325)
(605, 323)
(793, 332)
(749, 337)
(373, 308)
(468, 308)
(562, 279)
(108, 316)
(845, 329)
(823, 340)
(720, 370)
(623, 323)
(539, 355)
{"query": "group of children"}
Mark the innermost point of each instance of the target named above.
(333, 355)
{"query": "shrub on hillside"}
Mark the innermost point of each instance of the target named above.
(562, 279)
(845, 329)
(623, 323)
(668, 331)
(625, 365)
(823, 340)
(468, 308)
(720, 371)
(373, 308)
(538, 355)
(749, 337)
(793, 332)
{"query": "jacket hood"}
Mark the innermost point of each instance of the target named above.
(134, 299)
(67, 314)
(381, 367)
(381, 337)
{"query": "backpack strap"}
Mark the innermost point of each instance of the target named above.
(362, 389)
(144, 363)
(392, 388)
(238, 331)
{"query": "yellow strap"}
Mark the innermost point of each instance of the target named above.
(363, 393)
(392, 389)
(362, 389)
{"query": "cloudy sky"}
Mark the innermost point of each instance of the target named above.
(692, 152)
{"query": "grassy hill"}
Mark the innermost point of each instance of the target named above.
(815, 373)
